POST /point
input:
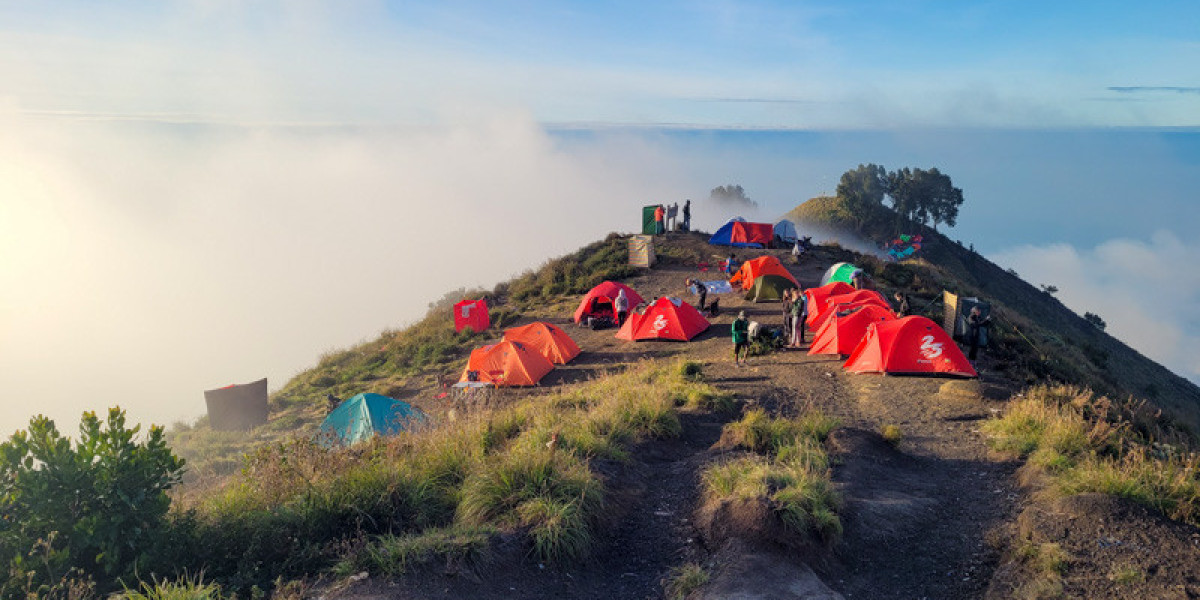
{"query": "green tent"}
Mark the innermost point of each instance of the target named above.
(839, 272)
(648, 223)
(365, 416)
(769, 288)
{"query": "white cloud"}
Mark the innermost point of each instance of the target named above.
(1148, 291)
(144, 264)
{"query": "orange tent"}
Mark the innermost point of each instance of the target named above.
(841, 333)
(506, 363)
(599, 301)
(912, 345)
(666, 319)
(757, 267)
(816, 298)
(545, 339)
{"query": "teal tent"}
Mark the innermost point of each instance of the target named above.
(364, 416)
(839, 272)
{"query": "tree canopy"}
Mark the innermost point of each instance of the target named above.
(927, 197)
(731, 194)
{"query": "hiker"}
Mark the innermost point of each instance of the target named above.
(902, 309)
(729, 270)
(697, 287)
(741, 338)
(799, 315)
(659, 215)
(621, 305)
(975, 324)
(687, 215)
(786, 306)
(672, 216)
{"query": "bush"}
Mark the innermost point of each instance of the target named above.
(95, 508)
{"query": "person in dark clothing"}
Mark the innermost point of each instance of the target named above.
(687, 216)
(902, 308)
(975, 324)
(697, 287)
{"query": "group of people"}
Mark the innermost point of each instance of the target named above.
(666, 218)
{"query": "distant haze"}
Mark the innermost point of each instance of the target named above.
(142, 263)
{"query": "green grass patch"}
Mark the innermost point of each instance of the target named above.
(399, 554)
(1074, 437)
(683, 580)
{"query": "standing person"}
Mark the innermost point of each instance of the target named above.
(621, 305)
(659, 215)
(687, 215)
(797, 251)
(729, 270)
(975, 324)
(697, 287)
(672, 216)
(741, 338)
(786, 305)
(799, 315)
(902, 309)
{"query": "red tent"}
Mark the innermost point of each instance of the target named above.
(546, 339)
(841, 334)
(666, 319)
(471, 313)
(599, 301)
(816, 298)
(506, 363)
(843, 302)
(909, 345)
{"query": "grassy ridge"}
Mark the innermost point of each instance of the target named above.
(1080, 443)
(398, 361)
(438, 493)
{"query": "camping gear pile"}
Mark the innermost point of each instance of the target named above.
(860, 324)
(904, 246)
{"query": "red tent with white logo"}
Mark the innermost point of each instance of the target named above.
(666, 319)
(841, 333)
(912, 345)
(473, 314)
(598, 302)
(815, 297)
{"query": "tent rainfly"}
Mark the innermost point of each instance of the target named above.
(237, 407)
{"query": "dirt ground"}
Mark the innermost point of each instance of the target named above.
(928, 516)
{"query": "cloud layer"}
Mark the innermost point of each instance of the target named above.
(1148, 291)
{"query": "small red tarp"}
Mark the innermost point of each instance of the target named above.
(473, 314)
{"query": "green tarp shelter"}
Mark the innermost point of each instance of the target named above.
(364, 416)
(769, 288)
(648, 227)
(839, 272)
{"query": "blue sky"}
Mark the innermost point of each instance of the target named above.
(805, 65)
(199, 193)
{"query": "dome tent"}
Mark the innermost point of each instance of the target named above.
(742, 234)
(769, 288)
(757, 267)
(545, 339)
(839, 272)
(785, 231)
(506, 363)
(840, 334)
(666, 319)
(364, 416)
(912, 345)
(816, 298)
(599, 301)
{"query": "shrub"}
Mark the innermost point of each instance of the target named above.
(683, 580)
(891, 434)
(95, 507)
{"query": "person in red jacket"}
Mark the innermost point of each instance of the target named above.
(659, 215)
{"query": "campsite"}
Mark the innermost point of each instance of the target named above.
(919, 503)
(522, 442)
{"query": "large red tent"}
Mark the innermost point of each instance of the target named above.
(912, 345)
(815, 298)
(841, 333)
(843, 302)
(666, 319)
